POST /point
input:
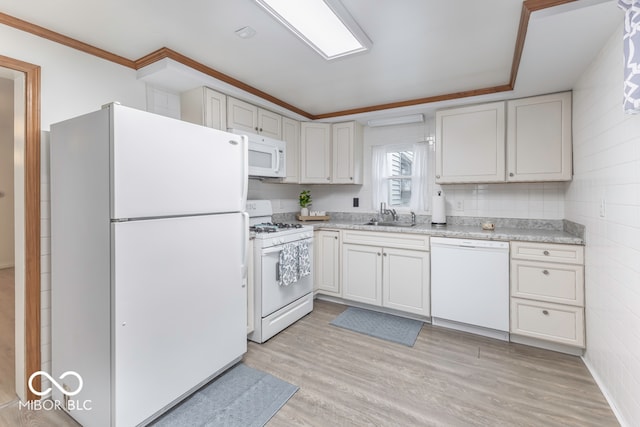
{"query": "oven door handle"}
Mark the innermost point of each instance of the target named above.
(271, 250)
(278, 272)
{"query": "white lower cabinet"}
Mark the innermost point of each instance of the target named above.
(547, 293)
(387, 269)
(326, 273)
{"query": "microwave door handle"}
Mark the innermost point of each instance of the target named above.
(276, 153)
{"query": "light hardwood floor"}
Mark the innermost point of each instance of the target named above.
(7, 333)
(448, 378)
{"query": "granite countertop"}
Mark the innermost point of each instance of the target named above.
(461, 231)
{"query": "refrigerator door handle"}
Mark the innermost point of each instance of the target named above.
(245, 246)
(244, 142)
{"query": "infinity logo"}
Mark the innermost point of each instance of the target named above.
(55, 383)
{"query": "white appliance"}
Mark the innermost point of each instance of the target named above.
(470, 285)
(149, 247)
(267, 156)
(277, 306)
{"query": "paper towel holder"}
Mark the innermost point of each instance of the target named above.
(438, 219)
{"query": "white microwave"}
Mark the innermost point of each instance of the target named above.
(266, 156)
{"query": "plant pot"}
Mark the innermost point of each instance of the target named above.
(304, 211)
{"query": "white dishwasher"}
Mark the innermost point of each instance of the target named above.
(470, 285)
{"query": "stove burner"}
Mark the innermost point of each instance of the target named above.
(283, 225)
(269, 227)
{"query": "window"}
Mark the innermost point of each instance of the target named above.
(399, 176)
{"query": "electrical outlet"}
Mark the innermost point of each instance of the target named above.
(603, 206)
(459, 205)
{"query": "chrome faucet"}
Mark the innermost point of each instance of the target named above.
(413, 218)
(385, 211)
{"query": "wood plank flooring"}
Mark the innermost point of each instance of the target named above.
(448, 378)
(7, 333)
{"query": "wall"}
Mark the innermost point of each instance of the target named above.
(6, 173)
(539, 201)
(72, 83)
(606, 145)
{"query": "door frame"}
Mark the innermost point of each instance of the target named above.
(32, 361)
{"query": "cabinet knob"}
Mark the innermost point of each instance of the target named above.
(351, 178)
(545, 272)
(260, 129)
(545, 312)
(336, 237)
(438, 176)
(384, 253)
(255, 128)
(378, 253)
(511, 174)
(546, 252)
(328, 178)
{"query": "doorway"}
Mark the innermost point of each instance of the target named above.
(26, 200)
(7, 245)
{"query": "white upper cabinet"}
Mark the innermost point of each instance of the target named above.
(470, 144)
(331, 154)
(347, 153)
(244, 116)
(204, 106)
(529, 142)
(315, 153)
(291, 136)
(539, 138)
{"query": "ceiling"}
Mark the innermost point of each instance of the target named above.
(421, 48)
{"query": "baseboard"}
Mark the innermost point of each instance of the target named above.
(605, 393)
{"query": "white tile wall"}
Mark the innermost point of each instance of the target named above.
(606, 145)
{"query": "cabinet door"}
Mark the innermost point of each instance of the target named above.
(315, 153)
(269, 124)
(470, 144)
(405, 278)
(327, 262)
(242, 115)
(347, 153)
(539, 138)
(291, 136)
(362, 273)
(205, 107)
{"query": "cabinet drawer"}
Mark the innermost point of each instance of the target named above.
(546, 321)
(560, 283)
(418, 242)
(548, 252)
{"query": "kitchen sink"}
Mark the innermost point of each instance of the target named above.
(389, 224)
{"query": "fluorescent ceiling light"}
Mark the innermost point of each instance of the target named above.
(325, 25)
(414, 118)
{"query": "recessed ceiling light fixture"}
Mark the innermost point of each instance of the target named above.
(325, 25)
(245, 32)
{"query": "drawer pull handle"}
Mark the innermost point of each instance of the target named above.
(546, 252)
(545, 272)
(545, 312)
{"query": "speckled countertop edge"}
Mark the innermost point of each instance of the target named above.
(506, 230)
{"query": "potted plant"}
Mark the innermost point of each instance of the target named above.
(305, 202)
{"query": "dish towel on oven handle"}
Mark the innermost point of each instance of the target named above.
(304, 260)
(288, 264)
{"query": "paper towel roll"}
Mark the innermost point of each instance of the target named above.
(438, 214)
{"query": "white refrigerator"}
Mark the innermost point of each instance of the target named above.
(148, 261)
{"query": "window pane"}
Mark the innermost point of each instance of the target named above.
(400, 163)
(400, 192)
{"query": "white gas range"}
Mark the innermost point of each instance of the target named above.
(283, 271)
